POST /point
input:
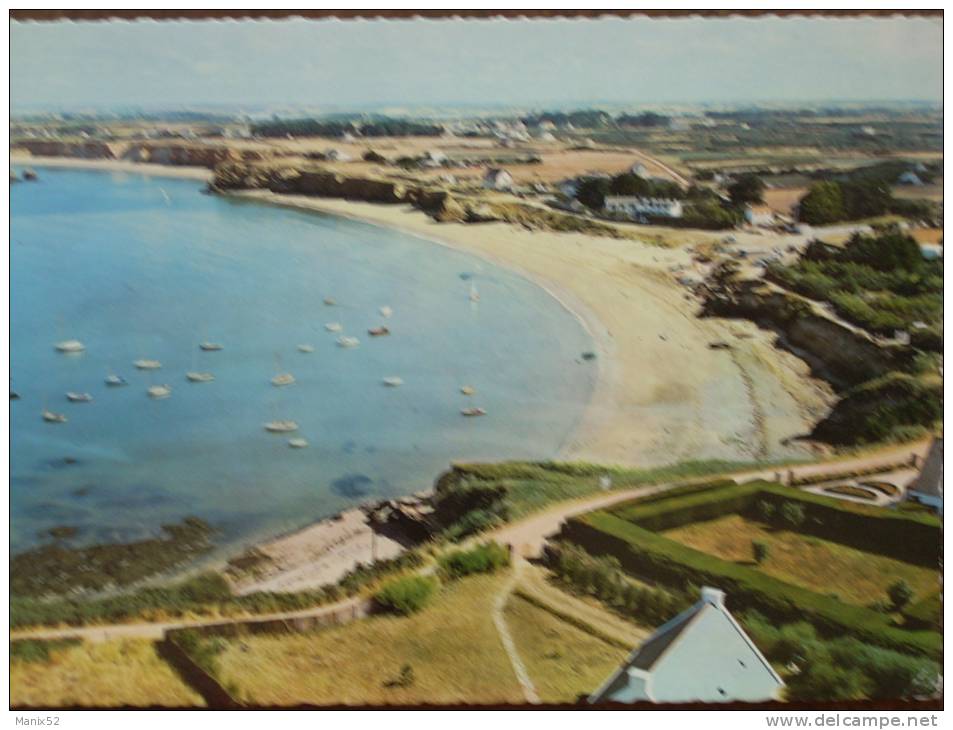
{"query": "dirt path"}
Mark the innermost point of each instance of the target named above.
(499, 620)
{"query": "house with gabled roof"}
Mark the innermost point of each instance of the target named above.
(701, 655)
(927, 488)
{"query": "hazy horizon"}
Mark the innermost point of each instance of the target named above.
(498, 63)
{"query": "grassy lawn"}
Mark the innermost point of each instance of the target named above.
(825, 567)
(534, 486)
(111, 674)
(562, 660)
(452, 647)
(541, 583)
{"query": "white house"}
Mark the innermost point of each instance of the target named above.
(759, 215)
(701, 655)
(497, 179)
(639, 170)
(635, 207)
(927, 488)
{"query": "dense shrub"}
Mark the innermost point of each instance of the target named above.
(604, 578)
(486, 558)
(406, 595)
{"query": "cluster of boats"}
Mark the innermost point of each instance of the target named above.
(160, 392)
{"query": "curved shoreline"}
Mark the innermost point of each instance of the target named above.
(661, 394)
(565, 299)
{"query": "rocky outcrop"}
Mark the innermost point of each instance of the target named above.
(840, 354)
(158, 153)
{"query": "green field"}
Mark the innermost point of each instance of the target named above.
(823, 566)
(111, 674)
(452, 647)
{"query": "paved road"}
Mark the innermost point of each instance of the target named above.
(527, 537)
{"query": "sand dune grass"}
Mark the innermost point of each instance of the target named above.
(126, 672)
(563, 661)
(452, 648)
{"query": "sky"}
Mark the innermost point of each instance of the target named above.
(370, 63)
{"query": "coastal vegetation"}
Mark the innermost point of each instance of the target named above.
(880, 282)
(486, 558)
(839, 668)
(57, 568)
(406, 595)
(125, 672)
(451, 646)
(471, 498)
(207, 594)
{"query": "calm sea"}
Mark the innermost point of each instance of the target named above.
(147, 267)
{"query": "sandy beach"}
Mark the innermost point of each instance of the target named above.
(663, 395)
(319, 554)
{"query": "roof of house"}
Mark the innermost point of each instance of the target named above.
(760, 209)
(930, 479)
(701, 655)
(495, 172)
(641, 200)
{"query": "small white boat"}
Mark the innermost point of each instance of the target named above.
(468, 390)
(51, 417)
(333, 327)
(196, 377)
(70, 346)
(283, 379)
(473, 412)
(114, 380)
(386, 311)
(474, 294)
(306, 349)
(211, 346)
(79, 397)
(158, 392)
(281, 426)
(393, 381)
(298, 443)
(348, 342)
(330, 301)
(147, 364)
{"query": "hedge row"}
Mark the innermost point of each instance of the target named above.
(849, 474)
(647, 554)
(910, 537)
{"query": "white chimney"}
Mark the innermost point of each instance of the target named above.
(713, 596)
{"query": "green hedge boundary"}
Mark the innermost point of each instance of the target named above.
(645, 553)
(907, 536)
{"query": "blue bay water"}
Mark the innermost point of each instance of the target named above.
(143, 267)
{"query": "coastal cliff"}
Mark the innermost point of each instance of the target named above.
(882, 395)
(836, 352)
(440, 204)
